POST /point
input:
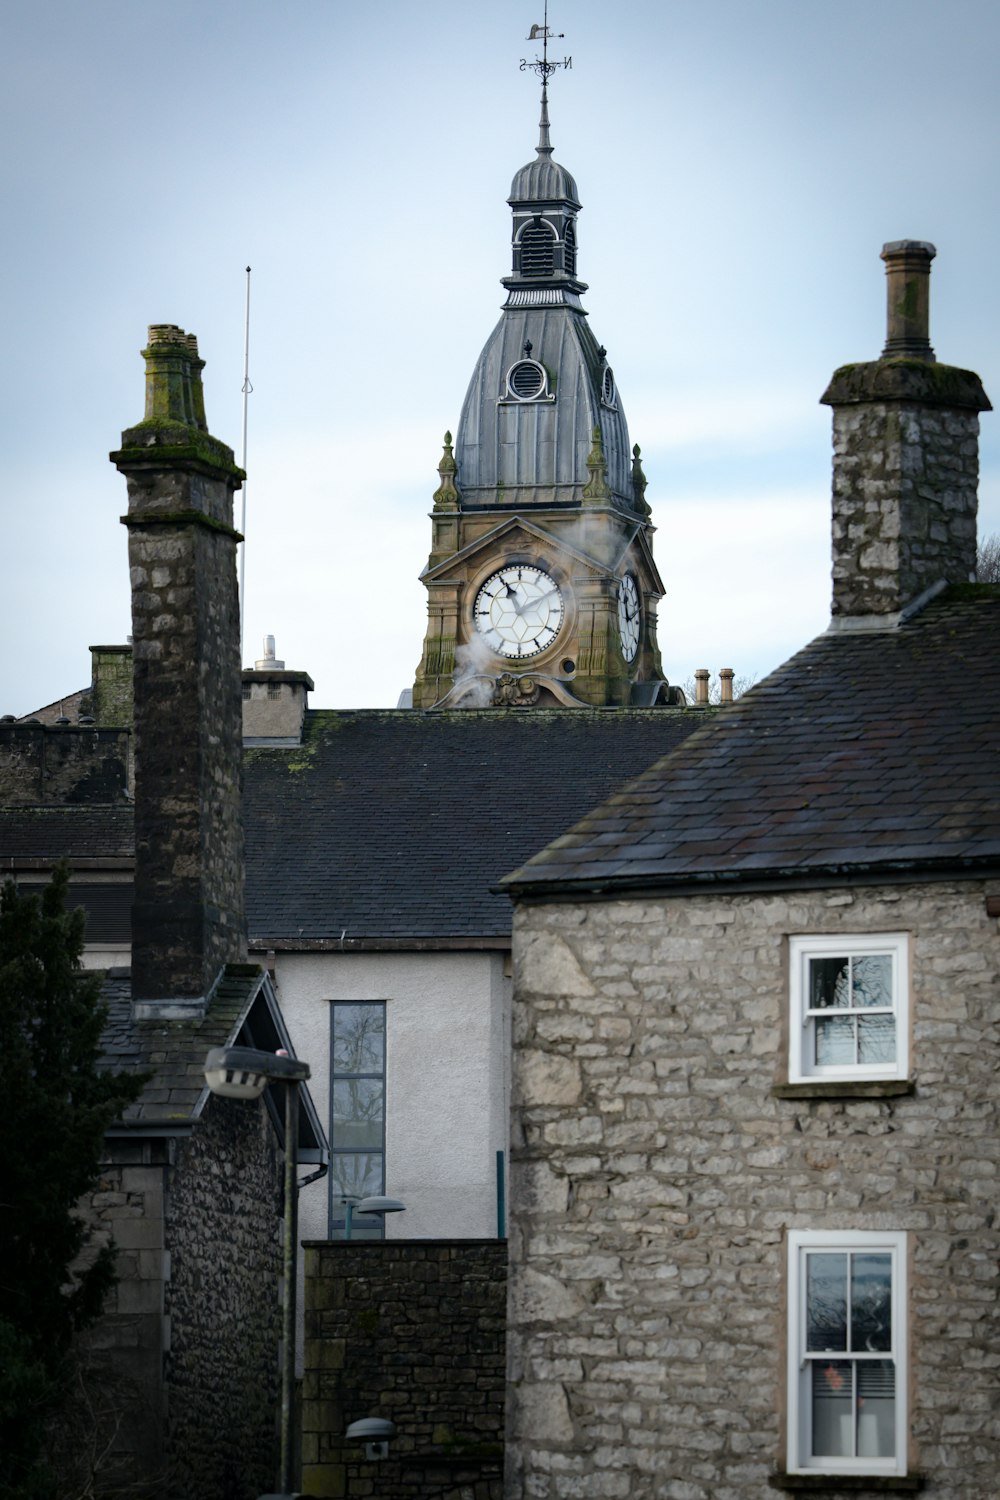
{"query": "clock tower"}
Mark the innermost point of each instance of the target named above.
(542, 589)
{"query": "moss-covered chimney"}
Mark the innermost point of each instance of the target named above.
(188, 919)
(905, 460)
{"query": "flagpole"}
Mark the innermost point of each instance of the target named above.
(247, 388)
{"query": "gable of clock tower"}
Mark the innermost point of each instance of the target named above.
(541, 584)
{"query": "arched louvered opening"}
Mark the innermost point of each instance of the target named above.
(569, 248)
(538, 250)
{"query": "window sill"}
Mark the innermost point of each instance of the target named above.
(875, 1484)
(834, 1088)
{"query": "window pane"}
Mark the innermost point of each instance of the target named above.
(354, 1176)
(832, 1406)
(826, 1302)
(357, 1112)
(872, 977)
(828, 983)
(876, 1380)
(877, 1039)
(835, 1041)
(871, 1302)
(358, 1038)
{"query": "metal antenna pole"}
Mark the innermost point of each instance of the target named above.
(247, 389)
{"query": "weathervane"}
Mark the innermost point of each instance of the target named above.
(541, 65)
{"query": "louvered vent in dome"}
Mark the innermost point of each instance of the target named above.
(526, 380)
(537, 251)
(569, 253)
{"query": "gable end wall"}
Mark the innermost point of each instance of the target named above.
(655, 1175)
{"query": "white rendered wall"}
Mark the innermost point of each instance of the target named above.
(447, 1078)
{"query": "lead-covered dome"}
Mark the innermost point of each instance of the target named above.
(543, 181)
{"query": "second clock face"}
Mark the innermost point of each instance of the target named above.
(628, 616)
(519, 611)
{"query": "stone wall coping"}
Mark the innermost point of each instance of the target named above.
(381, 1246)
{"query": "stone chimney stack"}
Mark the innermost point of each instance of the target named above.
(188, 919)
(905, 461)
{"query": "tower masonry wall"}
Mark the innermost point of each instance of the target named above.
(657, 1168)
(904, 503)
(188, 732)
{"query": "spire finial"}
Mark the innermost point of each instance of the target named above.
(544, 69)
(544, 147)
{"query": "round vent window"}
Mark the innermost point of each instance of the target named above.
(526, 380)
(608, 388)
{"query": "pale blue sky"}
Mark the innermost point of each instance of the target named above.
(740, 163)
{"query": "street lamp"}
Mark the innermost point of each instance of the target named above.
(244, 1073)
(376, 1205)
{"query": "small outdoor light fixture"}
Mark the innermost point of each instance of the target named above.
(375, 1433)
(244, 1073)
(374, 1205)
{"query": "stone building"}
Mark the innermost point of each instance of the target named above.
(186, 1357)
(756, 1096)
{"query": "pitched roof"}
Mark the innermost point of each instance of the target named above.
(865, 753)
(391, 826)
(243, 1011)
(83, 831)
(388, 826)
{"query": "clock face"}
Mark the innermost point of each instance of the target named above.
(519, 611)
(628, 616)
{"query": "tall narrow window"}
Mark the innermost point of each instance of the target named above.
(849, 1015)
(357, 1112)
(847, 1337)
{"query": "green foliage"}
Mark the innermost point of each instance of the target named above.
(58, 1104)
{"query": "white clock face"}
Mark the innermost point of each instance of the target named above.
(519, 611)
(628, 616)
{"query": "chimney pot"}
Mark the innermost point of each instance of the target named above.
(701, 687)
(908, 294)
(726, 675)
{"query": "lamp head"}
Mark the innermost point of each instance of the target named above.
(245, 1072)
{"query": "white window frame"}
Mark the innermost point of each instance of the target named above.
(802, 1021)
(800, 1459)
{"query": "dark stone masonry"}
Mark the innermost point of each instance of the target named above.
(188, 915)
(412, 1331)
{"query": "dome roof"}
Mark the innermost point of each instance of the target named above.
(543, 180)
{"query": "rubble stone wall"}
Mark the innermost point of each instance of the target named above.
(657, 1168)
(413, 1331)
(223, 1306)
(905, 482)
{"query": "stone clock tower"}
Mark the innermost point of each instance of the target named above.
(542, 589)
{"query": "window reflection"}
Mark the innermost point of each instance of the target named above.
(357, 1112)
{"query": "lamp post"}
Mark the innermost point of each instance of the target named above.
(376, 1205)
(244, 1073)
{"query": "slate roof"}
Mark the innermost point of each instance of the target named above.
(243, 1011)
(389, 826)
(83, 830)
(865, 754)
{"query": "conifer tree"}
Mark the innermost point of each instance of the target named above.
(57, 1103)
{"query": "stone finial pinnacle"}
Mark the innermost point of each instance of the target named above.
(596, 488)
(639, 482)
(446, 496)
